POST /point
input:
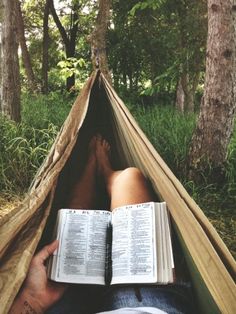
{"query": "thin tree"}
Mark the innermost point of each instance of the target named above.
(24, 49)
(215, 122)
(98, 38)
(10, 105)
(69, 39)
(45, 48)
(180, 96)
(1, 16)
(192, 38)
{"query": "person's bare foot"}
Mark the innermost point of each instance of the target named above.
(104, 168)
(92, 148)
(92, 159)
(83, 193)
(103, 152)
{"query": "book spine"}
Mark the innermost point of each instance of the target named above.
(108, 260)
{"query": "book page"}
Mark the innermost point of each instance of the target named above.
(82, 246)
(168, 245)
(159, 241)
(165, 262)
(134, 244)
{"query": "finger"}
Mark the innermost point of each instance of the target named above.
(42, 255)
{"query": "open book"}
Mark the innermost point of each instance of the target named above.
(131, 244)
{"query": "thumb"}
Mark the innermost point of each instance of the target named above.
(48, 250)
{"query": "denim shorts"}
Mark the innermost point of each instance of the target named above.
(83, 299)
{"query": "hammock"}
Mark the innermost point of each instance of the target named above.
(99, 109)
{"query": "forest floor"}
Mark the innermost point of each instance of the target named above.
(226, 227)
(8, 204)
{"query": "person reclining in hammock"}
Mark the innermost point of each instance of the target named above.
(125, 187)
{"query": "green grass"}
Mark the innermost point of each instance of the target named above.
(23, 149)
(24, 146)
(40, 110)
(169, 131)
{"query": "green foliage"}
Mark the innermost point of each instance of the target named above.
(40, 110)
(147, 4)
(70, 66)
(157, 41)
(169, 131)
(231, 165)
(23, 149)
(33, 20)
(24, 146)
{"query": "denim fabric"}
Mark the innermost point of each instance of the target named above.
(135, 310)
(173, 299)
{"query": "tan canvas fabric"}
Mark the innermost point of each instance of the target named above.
(210, 262)
(21, 229)
(207, 250)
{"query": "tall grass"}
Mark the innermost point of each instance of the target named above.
(23, 149)
(40, 110)
(169, 131)
(24, 146)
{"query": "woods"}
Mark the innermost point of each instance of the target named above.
(173, 62)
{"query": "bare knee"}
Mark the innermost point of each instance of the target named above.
(131, 174)
(130, 187)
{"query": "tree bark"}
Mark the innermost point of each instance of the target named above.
(180, 97)
(1, 16)
(10, 63)
(68, 40)
(45, 48)
(25, 53)
(189, 87)
(98, 39)
(215, 122)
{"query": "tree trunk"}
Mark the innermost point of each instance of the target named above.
(180, 97)
(192, 86)
(24, 49)
(10, 63)
(215, 122)
(68, 40)
(45, 48)
(189, 92)
(189, 100)
(98, 39)
(1, 16)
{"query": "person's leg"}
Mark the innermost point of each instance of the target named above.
(83, 194)
(124, 187)
(128, 187)
(77, 299)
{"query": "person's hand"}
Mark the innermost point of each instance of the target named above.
(38, 293)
